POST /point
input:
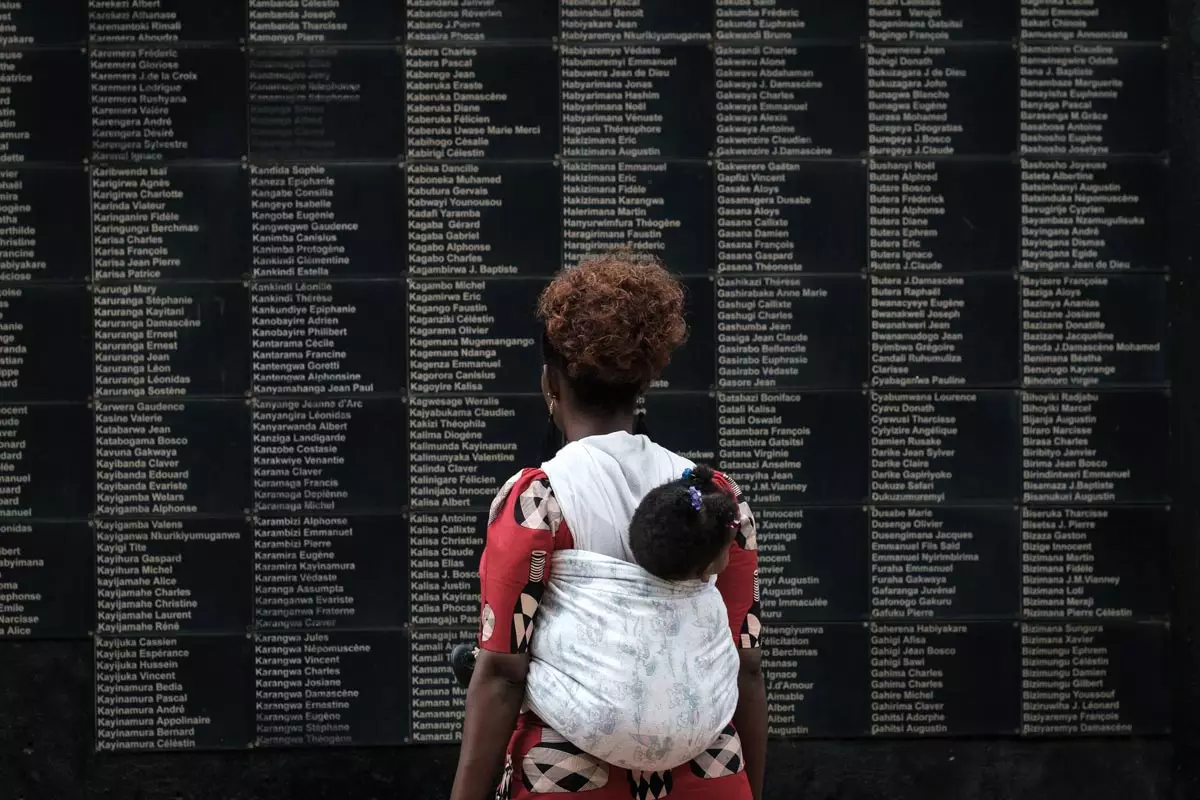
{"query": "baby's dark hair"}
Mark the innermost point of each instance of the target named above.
(673, 540)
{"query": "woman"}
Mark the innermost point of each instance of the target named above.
(611, 326)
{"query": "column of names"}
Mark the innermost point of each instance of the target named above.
(46, 468)
(1094, 330)
(327, 412)
(169, 367)
(942, 322)
(484, 201)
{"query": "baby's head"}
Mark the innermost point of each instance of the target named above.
(683, 530)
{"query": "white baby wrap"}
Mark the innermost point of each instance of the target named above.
(634, 670)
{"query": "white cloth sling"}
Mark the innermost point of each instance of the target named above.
(637, 671)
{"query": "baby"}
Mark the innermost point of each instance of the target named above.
(680, 531)
(683, 529)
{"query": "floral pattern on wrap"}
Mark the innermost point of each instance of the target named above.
(635, 670)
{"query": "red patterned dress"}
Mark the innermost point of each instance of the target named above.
(524, 528)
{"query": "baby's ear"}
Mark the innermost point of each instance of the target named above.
(719, 563)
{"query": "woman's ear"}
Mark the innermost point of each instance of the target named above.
(551, 382)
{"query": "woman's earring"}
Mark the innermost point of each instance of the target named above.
(553, 440)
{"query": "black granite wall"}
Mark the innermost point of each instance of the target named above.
(942, 269)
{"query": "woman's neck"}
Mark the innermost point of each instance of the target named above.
(584, 426)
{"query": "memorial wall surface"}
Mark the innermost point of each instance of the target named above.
(267, 272)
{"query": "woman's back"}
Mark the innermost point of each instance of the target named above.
(639, 671)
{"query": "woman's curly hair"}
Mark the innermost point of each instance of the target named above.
(612, 322)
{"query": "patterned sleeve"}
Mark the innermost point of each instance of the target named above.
(739, 583)
(524, 527)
